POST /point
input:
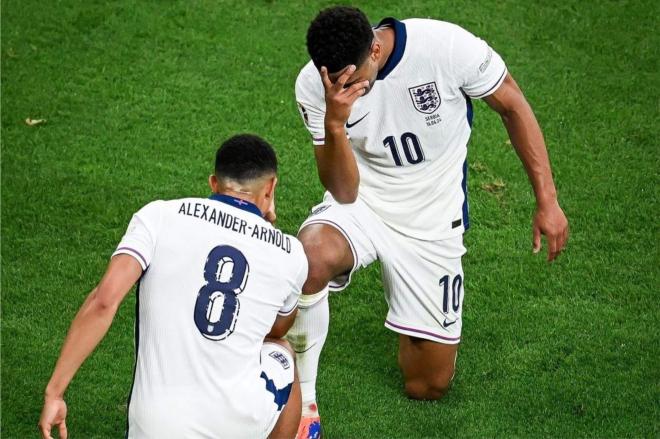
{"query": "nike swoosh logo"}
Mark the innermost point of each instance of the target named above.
(300, 352)
(351, 125)
(446, 324)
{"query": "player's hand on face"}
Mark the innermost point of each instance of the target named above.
(339, 100)
(53, 413)
(549, 220)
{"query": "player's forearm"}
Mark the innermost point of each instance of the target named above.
(337, 167)
(527, 139)
(87, 330)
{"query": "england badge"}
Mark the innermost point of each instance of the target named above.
(425, 97)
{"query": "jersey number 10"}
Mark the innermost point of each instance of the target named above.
(456, 288)
(412, 149)
(216, 309)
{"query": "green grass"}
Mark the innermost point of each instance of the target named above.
(136, 98)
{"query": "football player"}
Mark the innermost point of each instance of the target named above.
(214, 278)
(389, 111)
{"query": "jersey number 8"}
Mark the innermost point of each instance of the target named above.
(216, 309)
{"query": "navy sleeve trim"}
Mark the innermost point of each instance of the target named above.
(494, 87)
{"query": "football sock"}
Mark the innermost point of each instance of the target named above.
(307, 336)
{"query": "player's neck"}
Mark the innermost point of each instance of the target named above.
(386, 37)
(259, 192)
(241, 194)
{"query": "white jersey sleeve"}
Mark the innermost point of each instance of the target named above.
(310, 97)
(291, 302)
(477, 67)
(139, 240)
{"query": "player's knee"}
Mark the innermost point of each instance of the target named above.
(432, 388)
(320, 261)
(318, 276)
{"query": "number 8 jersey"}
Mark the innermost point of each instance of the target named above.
(216, 275)
(410, 132)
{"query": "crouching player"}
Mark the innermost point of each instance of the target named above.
(217, 289)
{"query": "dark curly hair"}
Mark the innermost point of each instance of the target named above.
(245, 157)
(339, 36)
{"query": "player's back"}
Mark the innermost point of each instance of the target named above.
(217, 274)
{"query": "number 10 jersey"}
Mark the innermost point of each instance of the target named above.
(410, 132)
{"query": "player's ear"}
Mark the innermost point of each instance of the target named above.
(376, 51)
(272, 184)
(213, 183)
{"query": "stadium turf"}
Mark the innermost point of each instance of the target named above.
(136, 96)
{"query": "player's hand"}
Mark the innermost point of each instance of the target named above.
(339, 100)
(549, 220)
(53, 413)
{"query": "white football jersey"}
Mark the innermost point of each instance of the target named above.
(216, 275)
(410, 132)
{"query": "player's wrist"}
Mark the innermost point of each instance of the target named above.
(547, 200)
(53, 396)
(52, 392)
(335, 127)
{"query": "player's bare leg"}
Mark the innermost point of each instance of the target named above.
(329, 255)
(427, 366)
(287, 424)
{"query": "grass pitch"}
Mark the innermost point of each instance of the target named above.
(136, 96)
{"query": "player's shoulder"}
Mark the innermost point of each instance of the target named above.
(430, 25)
(438, 42)
(152, 208)
(307, 74)
(188, 206)
(299, 255)
(281, 246)
(293, 243)
(297, 249)
(423, 32)
(176, 204)
(308, 82)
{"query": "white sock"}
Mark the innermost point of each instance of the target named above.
(307, 336)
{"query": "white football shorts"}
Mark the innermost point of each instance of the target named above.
(423, 280)
(176, 414)
(278, 373)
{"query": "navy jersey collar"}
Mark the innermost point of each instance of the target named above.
(400, 37)
(237, 202)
